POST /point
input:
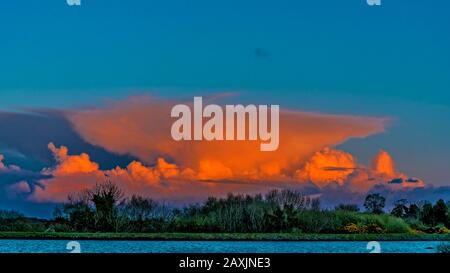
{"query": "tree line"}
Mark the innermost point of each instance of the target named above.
(105, 209)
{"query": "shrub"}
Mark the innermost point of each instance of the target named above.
(394, 225)
(372, 228)
(314, 222)
(417, 225)
(416, 232)
(59, 227)
(352, 228)
(442, 230)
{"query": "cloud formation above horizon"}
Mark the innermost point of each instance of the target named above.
(191, 170)
(141, 127)
(18, 181)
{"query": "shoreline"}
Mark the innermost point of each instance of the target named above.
(220, 236)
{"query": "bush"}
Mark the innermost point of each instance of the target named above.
(372, 228)
(22, 224)
(59, 227)
(316, 222)
(352, 228)
(442, 229)
(394, 225)
(416, 224)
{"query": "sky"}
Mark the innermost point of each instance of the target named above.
(328, 57)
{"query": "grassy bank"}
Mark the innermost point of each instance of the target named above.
(225, 236)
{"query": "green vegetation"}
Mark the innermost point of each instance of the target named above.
(103, 212)
(14, 221)
(375, 203)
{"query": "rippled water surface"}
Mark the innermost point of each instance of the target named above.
(94, 246)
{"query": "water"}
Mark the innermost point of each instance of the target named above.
(94, 246)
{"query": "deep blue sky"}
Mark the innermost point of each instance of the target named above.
(318, 55)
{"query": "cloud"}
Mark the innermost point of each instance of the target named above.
(163, 180)
(382, 172)
(330, 172)
(327, 171)
(15, 180)
(167, 181)
(71, 164)
(327, 166)
(24, 137)
(140, 127)
(384, 164)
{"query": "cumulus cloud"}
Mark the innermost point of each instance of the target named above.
(71, 164)
(384, 164)
(141, 127)
(164, 180)
(327, 166)
(382, 172)
(161, 168)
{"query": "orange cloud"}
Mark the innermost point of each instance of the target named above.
(327, 166)
(75, 173)
(141, 127)
(166, 180)
(71, 164)
(382, 172)
(384, 164)
(167, 169)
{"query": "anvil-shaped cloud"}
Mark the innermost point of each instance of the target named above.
(141, 127)
(163, 168)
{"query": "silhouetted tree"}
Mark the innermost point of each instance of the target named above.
(427, 214)
(105, 198)
(315, 204)
(375, 203)
(288, 198)
(400, 208)
(78, 212)
(138, 211)
(413, 212)
(440, 211)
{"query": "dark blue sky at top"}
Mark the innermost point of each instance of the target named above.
(51, 52)
(329, 56)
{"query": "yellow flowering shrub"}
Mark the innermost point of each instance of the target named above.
(443, 230)
(352, 228)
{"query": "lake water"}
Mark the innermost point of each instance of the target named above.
(94, 246)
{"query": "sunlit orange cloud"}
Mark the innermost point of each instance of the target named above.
(76, 173)
(327, 166)
(141, 127)
(73, 164)
(384, 164)
(168, 181)
(382, 172)
(167, 169)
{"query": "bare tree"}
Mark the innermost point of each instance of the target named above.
(105, 198)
